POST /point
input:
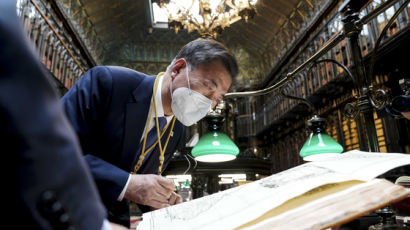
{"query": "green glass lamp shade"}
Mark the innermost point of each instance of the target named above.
(319, 144)
(215, 146)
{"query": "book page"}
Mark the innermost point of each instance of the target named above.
(303, 199)
(364, 165)
(336, 208)
(234, 207)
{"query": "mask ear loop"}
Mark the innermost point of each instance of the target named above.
(170, 88)
(187, 75)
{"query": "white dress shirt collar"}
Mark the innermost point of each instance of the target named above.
(158, 100)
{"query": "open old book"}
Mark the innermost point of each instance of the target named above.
(315, 195)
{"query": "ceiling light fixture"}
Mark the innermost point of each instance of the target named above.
(208, 17)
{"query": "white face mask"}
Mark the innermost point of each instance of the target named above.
(189, 106)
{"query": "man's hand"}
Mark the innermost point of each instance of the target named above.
(174, 199)
(152, 190)
(406, 115)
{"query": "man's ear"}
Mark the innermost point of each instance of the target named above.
(176, 68)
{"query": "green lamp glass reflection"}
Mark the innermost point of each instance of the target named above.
(319, 144)
(215, 146)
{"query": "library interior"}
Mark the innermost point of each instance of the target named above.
(206, 114)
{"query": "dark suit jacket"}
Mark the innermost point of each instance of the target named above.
(45, 178)
(108, 108)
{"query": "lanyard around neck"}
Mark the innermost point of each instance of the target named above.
(144, 151)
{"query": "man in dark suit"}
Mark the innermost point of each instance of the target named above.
(117, 114)
(48, 185)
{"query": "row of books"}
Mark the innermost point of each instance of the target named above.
(284, 150)
(381, 137)
(299, 20)
(271, 108)
(53, 54)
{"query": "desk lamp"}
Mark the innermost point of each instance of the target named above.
(215, 146)
(319, 144)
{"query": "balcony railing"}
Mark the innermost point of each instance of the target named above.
(52, 41)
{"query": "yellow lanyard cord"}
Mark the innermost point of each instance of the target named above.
(144, 151)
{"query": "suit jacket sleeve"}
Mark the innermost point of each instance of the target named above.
(41, 149)
(85, 105)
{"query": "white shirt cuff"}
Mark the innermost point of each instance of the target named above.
(124, 189)
(106, 225)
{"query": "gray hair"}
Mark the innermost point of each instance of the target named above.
(204, 51)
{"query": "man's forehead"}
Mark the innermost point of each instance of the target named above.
(216, 72)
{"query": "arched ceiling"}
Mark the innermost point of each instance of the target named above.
(117, 33)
